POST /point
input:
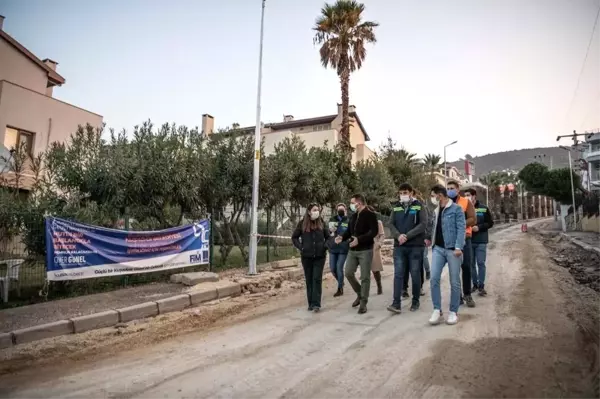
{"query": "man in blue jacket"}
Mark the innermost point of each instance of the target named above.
(407, 223)
(479, 242)
(448, 239)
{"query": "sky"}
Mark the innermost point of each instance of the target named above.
(494, 75)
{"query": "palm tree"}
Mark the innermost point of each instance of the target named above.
(432, 162)
(342, 35)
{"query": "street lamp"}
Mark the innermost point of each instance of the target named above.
(572, 184)
(445, 165)
(255, 174)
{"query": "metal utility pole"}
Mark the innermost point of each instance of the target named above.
(255, 177)
(445, 164)
(572, 184)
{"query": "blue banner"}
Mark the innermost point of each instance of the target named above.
(77, 251)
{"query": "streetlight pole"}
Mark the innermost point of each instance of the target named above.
(256, 171)
(445, 165)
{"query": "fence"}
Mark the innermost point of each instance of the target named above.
(229, 249)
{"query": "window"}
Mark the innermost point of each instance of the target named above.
(318, 128)
(595, 147)
(14, 138)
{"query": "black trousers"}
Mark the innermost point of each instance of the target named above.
(313, 274)
(466, 267)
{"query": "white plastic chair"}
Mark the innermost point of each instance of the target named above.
(12, 273)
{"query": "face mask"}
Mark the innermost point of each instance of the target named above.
(452, 193)
(405, 198)
(434, 201)
(341, 212)
(353, 207)
(469, 198)
(314, 215)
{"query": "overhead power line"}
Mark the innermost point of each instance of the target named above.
(587, 52)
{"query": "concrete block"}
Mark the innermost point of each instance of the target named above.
(282, 264)
(173, 304)
(203, 294)
(176, 278)
(198, 277)
(228, 288)
(95, 321)
(295, 274)
(6, 340)
(147, 309)
(43, 331)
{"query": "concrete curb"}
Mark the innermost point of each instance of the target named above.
(581, 244)
(110, 318)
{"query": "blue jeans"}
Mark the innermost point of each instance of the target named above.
(411, 258)
(439, 259)
(478, 265)
(336, 265)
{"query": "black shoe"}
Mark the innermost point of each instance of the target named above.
(482, 292)
(470, 302)
(475, 287)
(310, 308)
(414, 307)
(405, 294)
(379, 290)
(362, 309)
(394, 308)
(316, 309)
(462, 300)
(427, 275)
(339, 292)
(356, 302)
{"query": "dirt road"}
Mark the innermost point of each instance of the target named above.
(528, 338)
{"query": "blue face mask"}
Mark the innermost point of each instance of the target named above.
(452, 193)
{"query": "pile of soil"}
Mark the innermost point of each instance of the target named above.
(584, 265)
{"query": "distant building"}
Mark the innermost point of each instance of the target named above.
(592, 157)
(314, 131)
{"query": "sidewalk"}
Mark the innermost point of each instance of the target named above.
(46, 312)
(588, 237)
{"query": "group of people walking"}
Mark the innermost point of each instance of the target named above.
(454, 225)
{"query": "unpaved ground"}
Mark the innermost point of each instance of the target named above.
(534, 336)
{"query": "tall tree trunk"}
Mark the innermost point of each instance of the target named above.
(345, 85)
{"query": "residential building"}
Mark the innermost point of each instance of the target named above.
(29, 114)
(316, 132)
(592, 157)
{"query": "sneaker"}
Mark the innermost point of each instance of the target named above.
(452, 318)
(394, 308)
(414, 307)
(427, 275)
(405, 294)
(435, 317)
(339, 292)
(470, 302)
(316, 309)
(356, 302)
(482, 292)
(362, 309)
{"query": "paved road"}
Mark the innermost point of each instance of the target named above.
(518, 342)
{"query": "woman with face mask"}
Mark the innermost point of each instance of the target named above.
(310, 238)
(338, 224)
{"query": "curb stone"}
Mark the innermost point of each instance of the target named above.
(581, 244)
(204, 295)
(6, 340)
(174, 303)
(226, 289)
(49, 330)
(140, 311)
(94, 321)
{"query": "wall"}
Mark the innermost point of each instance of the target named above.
(17, 68)
(591, 224)
(310, 138)
(50, 119)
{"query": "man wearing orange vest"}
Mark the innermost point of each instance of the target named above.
(471, 219)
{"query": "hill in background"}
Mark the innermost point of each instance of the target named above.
(517, 159)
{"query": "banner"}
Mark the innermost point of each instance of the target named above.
(78, 251)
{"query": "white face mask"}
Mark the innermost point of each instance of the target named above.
(405, 198)
(353, 207)
(314, 215)
(434, 201)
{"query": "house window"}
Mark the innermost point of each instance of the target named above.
(14, 138)
(318, 128)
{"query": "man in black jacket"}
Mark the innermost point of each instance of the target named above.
(479, 242)
(361, 232)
